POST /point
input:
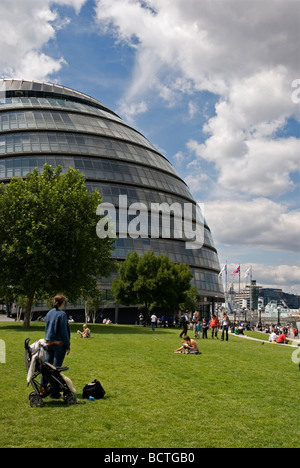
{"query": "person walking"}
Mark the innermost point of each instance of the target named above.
(184, 321)
(225, 326)
(57, 336)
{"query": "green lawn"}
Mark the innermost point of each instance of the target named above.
(236, 394)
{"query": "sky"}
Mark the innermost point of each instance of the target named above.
(213, 84)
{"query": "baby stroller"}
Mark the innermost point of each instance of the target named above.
(36, 366)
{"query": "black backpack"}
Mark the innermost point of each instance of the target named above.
(183, 319)
(94, 390)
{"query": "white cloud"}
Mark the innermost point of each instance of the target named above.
(211, 43)
(260, 223)
(285, 277)
(253, 166)
(26, 27)
(179, 158)
(76, 4)
(129, 111)
(242, 141)
(244, 51)
(196, 181)
(282, 276)
(37, 65)
(193, 109)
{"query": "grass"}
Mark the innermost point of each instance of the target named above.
(236, 394)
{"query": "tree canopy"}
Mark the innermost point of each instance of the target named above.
(48, 237)
(151, 282)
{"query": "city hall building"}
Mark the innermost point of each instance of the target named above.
(46, 123)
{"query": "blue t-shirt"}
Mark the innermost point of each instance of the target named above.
(57, 327)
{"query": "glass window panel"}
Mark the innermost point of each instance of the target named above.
(78, 164)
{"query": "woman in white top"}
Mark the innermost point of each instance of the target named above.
(225, 326)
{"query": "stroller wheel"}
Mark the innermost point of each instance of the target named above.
(35, 400)
(70, 399)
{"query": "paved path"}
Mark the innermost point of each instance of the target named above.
(295, 344)
(4, 318)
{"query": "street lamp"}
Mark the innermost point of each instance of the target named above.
(278, 315)
(259, 315)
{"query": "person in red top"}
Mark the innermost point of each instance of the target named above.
(282, 339)
(214, 325)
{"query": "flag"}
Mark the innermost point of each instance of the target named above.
(223, 269)
(238, 270)
(248, 272)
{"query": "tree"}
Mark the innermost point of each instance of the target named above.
(192, 300)
(95, 304)
(48, 237)
(151, 281)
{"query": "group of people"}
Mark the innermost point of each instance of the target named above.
(57, 333)
(279, 334)
(159, 322)
(201, 326)
(278, 329)
(190, 346)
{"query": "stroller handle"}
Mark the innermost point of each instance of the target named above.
(27, 343)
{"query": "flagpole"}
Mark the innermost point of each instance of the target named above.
(250, 291)
(239, 307)
(226, 282)
(226, 288)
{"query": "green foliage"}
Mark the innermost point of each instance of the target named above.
(48, 236)
(192, 300)
(151, 281)
(94, 304)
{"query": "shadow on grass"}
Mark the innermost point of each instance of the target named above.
(123, 330)
(95, 329)
(49, 403)
(18, 327)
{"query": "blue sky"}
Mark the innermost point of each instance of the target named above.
(209, 83)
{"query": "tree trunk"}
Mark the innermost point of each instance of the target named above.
(27, 314)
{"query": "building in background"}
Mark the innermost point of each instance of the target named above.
(47, 123)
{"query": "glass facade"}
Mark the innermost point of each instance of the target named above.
(47, 123)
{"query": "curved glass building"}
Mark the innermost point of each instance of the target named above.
(47, 123)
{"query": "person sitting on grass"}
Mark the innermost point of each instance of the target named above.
(273, 337)
(189, 347)
(282, 339)
(86, 332)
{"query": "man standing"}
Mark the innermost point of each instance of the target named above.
(153, 321)
(57, 335)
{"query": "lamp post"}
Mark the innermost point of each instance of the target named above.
(278, 315)
(259, 316)
(244, 310)
(234, 315)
